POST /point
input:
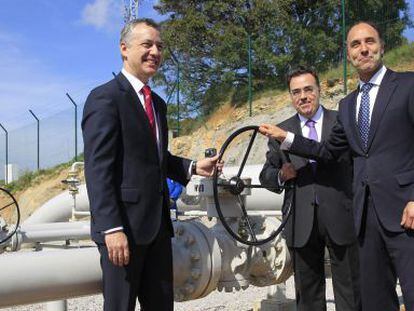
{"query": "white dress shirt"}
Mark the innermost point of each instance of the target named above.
(137, 85)
(318, 118)
(376, 80)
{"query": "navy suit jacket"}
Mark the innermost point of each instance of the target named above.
(387, 167)
(125, 171)
(331, 183)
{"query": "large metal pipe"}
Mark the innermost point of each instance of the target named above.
(204, 259)
(29, 277)
(59, 208)
(59, 231)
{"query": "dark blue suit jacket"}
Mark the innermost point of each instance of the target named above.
(387, 167)
(125, 171)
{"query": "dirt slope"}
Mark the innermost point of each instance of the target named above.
(213, 133)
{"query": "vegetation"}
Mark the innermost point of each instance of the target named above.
(208, 41)
(29, 179)
(398, 58)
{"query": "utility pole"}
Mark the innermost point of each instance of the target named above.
(130, 10)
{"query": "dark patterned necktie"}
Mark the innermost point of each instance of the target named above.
(148, 109)
(364, 115)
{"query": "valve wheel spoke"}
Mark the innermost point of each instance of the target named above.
(235, 186)
(6, 194)
(246, 218)
(6, 206)
(246, 155)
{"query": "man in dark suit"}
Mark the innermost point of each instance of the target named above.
(376, 123)
(323, 195)
(126, 165)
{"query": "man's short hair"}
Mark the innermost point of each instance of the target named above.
(127, 30)
(301, 70)
(370, 23)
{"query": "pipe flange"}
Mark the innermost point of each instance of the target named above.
(197, 261)
(271, 263)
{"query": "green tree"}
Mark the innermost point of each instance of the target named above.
(209, 40)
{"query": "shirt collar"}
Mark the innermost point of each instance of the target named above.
(136, 83)
(317, 117)
(376, 79)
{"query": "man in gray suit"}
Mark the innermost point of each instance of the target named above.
(323, 195)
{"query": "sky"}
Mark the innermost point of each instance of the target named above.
(49, 48)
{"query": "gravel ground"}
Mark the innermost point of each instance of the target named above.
(243, 300)
(216, 301)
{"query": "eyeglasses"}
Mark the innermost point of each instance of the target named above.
(308, 90)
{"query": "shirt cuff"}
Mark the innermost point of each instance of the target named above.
(189, 173)
(285, 145)
(116, 229)
(279, 180)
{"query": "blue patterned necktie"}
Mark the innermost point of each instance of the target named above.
(363, 114)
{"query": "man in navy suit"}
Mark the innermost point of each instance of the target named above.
(322, 195)
(376, 123)
(126, 165)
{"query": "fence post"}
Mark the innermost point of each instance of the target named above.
(6, 173)
(344, 46)
(76, 126)
(38, 138)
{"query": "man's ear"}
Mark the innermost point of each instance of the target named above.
(123, 49)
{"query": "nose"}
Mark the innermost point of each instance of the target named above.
(303, 95)
(364, 48)
(155, 50)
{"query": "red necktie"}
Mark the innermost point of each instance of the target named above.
(148, 108)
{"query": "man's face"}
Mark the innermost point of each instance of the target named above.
(364, 50)
(304, 93)
(142, 53)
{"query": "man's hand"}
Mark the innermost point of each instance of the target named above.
(407, 220)
(287, 172)
(117, 245)
(205, 167)
(273, 131)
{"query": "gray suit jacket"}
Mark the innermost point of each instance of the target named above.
(331, 183)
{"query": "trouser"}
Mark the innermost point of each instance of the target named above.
(148, 276)
(309, 268)
(384, 257)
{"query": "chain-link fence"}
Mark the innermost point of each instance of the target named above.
(56, 141)
(30, 148)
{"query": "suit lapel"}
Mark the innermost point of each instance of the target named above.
(133, 99)
(327, 124)
(158, 118)
(352, 102)
(385, 91)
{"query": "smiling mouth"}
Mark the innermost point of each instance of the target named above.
(152, 62)
(365, 59)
